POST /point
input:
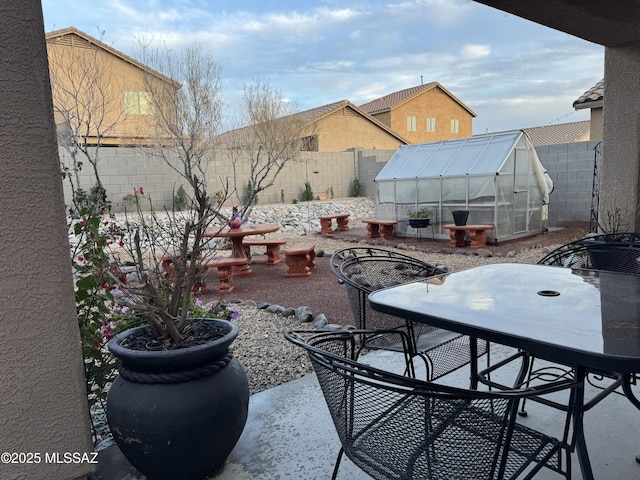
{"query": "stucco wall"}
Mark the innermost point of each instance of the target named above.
(596, 124)
(105, 76)
(346, 129)
(432, 103)
(43, 403)
(621, 177)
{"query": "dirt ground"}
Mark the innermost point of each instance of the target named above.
(322, 292)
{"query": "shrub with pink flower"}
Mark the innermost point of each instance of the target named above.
(135, 197)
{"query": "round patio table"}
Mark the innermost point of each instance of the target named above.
(236, 235)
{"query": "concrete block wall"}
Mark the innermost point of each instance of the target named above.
(124, 169)
(570, 166)
(370, 162)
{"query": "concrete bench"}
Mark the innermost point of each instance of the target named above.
(168, 268)
(477, 234)
(379, 228)
(273, 248)
(225, 275)
(300, 259)
(342, 219)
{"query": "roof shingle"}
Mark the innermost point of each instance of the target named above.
(594, 94)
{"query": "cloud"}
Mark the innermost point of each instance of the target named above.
(321, 51)
(472, 52)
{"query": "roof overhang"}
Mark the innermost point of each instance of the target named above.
(605, 23)
(583, 105)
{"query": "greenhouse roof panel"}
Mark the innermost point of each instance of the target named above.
(481, 155)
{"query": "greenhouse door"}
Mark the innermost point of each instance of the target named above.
(521, 191)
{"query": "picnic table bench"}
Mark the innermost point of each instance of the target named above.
(223, 264)
(379, 228)
(273, 248)
(342, 219)
(225, 275)
(300, 259)
(477, 234)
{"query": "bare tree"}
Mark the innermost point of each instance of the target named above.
(87, 101)
(186, 122)
(273, 135)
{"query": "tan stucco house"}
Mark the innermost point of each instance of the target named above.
(594, 100)
(340, 126)
(337, 127)
(426, 113)
(98, 91)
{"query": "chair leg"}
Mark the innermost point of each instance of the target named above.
(337, 465)
(523, 412)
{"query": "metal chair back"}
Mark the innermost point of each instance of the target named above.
(614, 252)
(392, 426)
(363, 270)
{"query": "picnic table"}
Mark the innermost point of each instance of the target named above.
(237, 235)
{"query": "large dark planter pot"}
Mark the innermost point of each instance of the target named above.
(614, 258)
(419, 222)
(460, 217)
(177, 414)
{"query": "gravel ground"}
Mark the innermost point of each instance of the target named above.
(261, 347)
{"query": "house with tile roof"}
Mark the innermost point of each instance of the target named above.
(560, 133)
(557, 134)
(98, 92)
(335, 127)
(594, 100)
(425, 113)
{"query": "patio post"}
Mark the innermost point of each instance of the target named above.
(43, 404)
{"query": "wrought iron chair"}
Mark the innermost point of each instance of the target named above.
(614, 252)
(393, 426)
(363, 270)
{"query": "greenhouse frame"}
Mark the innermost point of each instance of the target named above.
(498, 178)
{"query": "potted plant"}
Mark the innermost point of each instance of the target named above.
(419, 218)
(180, 401)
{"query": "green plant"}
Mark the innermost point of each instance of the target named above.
(307, 194)
(356, 188)
(92, 269)
(181, 199)
(252, 196)
(282, 195)
(294, 201)
(331, 193)
(421, 213)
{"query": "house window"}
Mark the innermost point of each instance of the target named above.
(137, 103)
(309, 144)
(455, 125)
(412, 123)
(431, 124)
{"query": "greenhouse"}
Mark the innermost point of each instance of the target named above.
(497, 178)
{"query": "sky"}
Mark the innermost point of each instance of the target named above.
(511, 72)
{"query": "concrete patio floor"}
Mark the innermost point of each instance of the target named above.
(289, 434)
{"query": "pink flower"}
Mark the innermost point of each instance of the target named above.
(197, 302)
